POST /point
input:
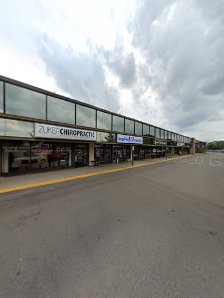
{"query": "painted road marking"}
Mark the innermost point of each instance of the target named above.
(61, 180)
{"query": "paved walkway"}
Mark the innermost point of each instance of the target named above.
(46, 178)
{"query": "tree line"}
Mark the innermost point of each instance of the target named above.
(216, 145)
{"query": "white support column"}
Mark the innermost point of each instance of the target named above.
(70, 156)
(91, 152)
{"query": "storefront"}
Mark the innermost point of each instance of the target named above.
(41, 130)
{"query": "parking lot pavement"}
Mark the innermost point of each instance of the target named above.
(153, 231)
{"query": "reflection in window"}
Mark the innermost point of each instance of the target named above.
(162, 134)
(23, 102)
(103, 120)
(14, 128)
(1, 97)
(85, 116)
(105, 137)
(60, 110)
(129, 126)
(165, 134)
(146, 131)
(152, 131)
(157, 132)
(2, 127)
(18, 153)
(118, 123)
(138, 128)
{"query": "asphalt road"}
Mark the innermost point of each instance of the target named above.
(154, 231)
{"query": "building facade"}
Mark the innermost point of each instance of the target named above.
(41, 130)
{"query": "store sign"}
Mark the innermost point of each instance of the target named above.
(160, 142)
(60, 132)
(180, 144)
(129, 139)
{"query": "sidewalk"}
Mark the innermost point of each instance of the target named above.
(8, 184)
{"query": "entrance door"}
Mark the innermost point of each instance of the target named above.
(141, 153)
(81, 157)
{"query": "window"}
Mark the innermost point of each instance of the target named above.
(129, 126)
(2, 127)
(152, 131)
(165, 134)
(60, 110)
(23, 102)
(118, 124)
(162, 134)
(1, 98)
(157, 132)
(105, 137)
(85, 116)
(103, 120)
(14, 128)
(138, 128)
(146, 131)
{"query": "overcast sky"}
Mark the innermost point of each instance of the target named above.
(160, 61)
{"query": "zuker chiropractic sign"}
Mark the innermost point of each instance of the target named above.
(60, 132)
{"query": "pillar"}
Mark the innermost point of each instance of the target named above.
(91, 152)
(192, 149)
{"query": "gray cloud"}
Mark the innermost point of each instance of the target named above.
(123, 66)
(80, 75)
(182, 42)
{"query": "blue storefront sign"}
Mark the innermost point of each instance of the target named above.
(129, 139)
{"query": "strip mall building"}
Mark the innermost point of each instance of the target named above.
(41, 130)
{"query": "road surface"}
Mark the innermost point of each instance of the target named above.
(154, 231)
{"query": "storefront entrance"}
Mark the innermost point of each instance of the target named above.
(20, 157)
(81, 155)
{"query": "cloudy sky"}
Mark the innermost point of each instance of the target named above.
(160, 61)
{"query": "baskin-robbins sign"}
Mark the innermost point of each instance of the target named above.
(129, 139)
(60, 132)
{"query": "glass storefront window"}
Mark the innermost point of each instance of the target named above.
(50, 155)
(15, 128)
(146, 131)
(138, 128)
(103, 120)
(85, 116)
(165, 134)
(152, 131)
(104, 137)
(157, 132)
(60, 110)
(18, 153)
(1, 98)
(118, 123)
(121, 153)
(103, 153)
(162, 134)
(2, 127)
(24, 102)
(129, 126)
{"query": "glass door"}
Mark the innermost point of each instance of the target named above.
(81, 157)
